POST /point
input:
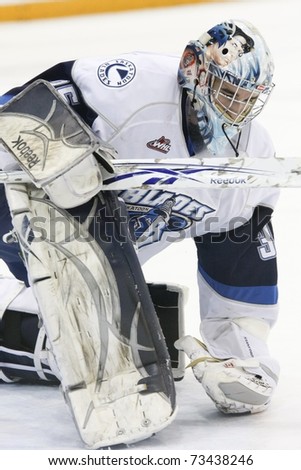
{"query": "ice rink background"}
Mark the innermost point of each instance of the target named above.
(35, 417)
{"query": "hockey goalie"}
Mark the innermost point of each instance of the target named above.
(103, 340)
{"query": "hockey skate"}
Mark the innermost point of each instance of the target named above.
(233, 384)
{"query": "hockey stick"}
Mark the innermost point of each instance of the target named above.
(192, 173)
(47, 139)
(204, 173)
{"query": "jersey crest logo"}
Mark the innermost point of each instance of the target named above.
(116, 73)
(161, 145)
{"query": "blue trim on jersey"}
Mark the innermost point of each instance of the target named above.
(266, 295)
(5, 98)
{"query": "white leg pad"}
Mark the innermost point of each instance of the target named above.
(111, 393)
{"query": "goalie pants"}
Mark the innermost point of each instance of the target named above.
(240, 265)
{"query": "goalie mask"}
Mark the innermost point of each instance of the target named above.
(227, 74)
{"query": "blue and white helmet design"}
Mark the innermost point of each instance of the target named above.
(228, 75)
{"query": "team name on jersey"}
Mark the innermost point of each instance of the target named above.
(185, 206)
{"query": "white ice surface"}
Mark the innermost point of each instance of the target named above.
(36, 417)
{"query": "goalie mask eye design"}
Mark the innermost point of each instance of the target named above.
(227, 74)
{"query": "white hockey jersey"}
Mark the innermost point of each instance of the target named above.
(138, 102)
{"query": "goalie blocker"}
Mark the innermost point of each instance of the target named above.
(53, 145)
